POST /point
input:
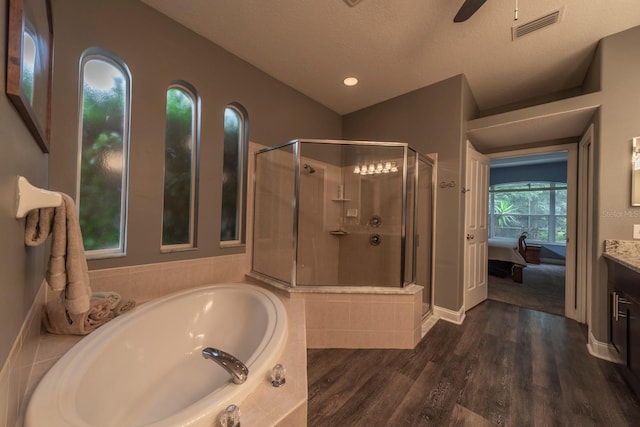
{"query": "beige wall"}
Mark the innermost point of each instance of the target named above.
(159, 51)
(21, 268)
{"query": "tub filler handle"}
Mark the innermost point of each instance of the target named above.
(230, 363)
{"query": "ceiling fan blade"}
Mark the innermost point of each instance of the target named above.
(468, 8)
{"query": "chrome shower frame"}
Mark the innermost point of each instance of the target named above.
(297, 169)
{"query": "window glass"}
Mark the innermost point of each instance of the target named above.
(103, 154)
(232, 175)
(537, 208)
(179, 168)
(28, 65)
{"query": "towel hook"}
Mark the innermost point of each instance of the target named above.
(29, 197)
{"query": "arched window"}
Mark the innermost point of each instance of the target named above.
(104, 151)
(234, 176)
(180, 168)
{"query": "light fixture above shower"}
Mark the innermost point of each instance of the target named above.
(374, 168)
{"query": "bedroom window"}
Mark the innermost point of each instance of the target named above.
(233, 176)
(104, 149)
(180, 168)
(538, 208)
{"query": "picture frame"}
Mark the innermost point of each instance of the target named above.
(30, 64)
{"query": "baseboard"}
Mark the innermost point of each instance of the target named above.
(602, 350)
(451, 316)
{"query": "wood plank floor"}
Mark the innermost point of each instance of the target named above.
(505, 366)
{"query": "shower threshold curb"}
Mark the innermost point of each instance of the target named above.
(410, 289)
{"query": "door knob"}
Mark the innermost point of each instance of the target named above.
(470, 236)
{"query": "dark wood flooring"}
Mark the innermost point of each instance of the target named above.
(505, 365)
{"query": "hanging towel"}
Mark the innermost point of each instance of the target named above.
(67, 272)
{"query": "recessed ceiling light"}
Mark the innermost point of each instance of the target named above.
(350, 81)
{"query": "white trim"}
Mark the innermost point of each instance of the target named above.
(456, 317)
(602, 350)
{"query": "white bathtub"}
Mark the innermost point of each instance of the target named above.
(145, 368)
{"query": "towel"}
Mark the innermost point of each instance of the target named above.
(67, 271)
(113, 297)
(71, 308)
(58, 320)
(117, 304)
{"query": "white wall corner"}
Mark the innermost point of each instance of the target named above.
(602, 350)
(456, 317)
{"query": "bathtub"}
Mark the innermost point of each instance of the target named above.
(145, 368)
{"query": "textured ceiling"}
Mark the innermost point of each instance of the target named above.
(396, 46)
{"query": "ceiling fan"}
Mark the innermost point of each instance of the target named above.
(468, 8)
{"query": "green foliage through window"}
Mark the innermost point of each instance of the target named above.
(232, 175)
(179, 168)
(538, 208)
(103, 154)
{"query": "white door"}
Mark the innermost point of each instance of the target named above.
(476, 192)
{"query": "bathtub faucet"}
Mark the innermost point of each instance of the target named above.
(230, 363)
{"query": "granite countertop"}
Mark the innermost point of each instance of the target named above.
(625, 252)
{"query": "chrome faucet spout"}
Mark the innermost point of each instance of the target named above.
(230, 363)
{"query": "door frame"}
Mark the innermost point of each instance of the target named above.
(585, 220)
(575, 296)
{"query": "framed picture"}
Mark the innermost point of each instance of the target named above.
(29, 65)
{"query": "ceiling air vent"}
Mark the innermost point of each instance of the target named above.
(352, 2)
(535, 25)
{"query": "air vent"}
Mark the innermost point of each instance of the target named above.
(535, 25)
(352, 2)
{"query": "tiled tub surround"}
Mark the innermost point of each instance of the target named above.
(268, 406)
(626, 252)
(356, 317)
(35, 351)
(20, 364)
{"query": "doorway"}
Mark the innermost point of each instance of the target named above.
(533, 194)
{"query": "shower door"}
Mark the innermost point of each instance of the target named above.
(350, 214)
(371, 252)
(424, 230)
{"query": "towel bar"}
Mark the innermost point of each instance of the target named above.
(29, 197)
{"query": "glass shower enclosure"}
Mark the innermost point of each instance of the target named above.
(343, 213)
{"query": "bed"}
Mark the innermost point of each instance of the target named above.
(505, 258)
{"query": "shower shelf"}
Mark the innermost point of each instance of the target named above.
(341, 200)
(339, 232)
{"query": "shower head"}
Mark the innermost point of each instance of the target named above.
(309, 168)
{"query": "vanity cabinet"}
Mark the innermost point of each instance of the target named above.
(624, 332)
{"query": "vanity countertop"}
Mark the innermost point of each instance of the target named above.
(625, 252)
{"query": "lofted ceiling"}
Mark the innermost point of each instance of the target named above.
(396, 46)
